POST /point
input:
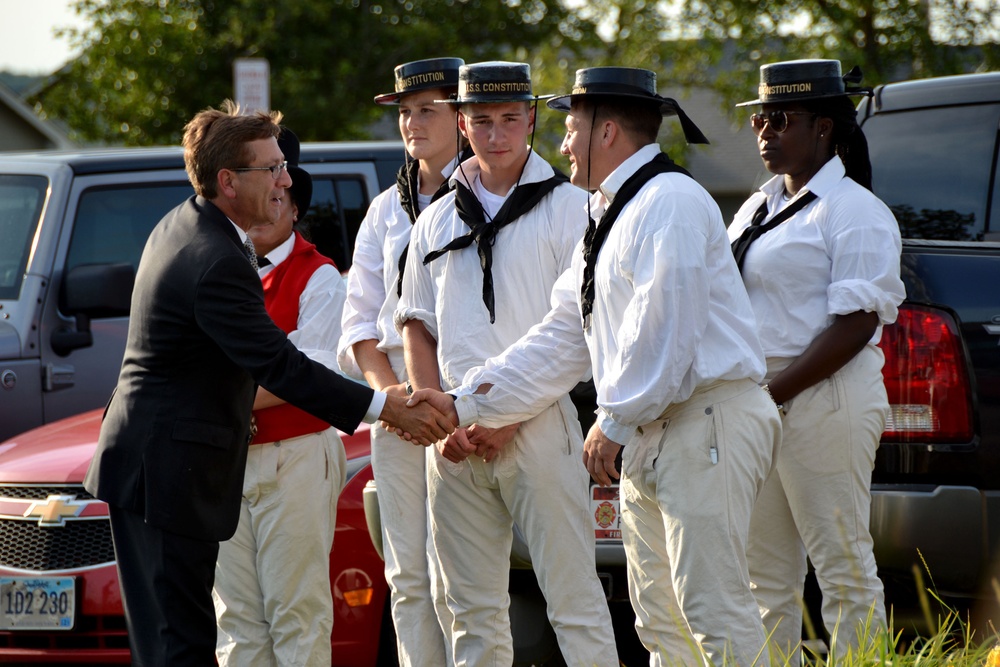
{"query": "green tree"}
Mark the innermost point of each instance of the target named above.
(148, 65)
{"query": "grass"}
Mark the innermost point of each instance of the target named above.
(951, 641)
(954, 645)
(947, 639)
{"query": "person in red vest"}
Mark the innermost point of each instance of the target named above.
(272, 593)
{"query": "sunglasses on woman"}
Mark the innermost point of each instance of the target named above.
(777, 120)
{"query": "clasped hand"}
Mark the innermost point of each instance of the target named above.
(420, 422)
(462, 443)
(477, 439)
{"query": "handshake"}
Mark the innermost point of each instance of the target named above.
(425, 418)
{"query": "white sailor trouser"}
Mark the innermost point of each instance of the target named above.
(416, 601)
(272, 595)
(689, 484)
(400, 476)
(538, 481)
(818, 502)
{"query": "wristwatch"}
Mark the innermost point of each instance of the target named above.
(767, 390)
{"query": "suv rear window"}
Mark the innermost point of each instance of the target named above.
(21, 202)
(932, 167)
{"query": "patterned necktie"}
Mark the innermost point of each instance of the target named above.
(251, 253)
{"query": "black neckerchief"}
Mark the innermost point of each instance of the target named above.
(756, 229)
(408, 187)
(597, 233)
(484, 234)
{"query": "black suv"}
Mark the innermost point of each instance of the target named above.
(936, 487)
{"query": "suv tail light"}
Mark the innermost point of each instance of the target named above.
(926, 378)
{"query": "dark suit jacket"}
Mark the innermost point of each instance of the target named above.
(173, 443)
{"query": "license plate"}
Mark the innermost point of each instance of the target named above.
(37, 603)
(606, 512)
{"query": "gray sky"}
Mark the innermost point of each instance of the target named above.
(27, 45)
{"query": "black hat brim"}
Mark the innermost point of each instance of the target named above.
(393, 99)
(565, 102)
(387, 99)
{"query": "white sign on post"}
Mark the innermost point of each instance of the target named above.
(252, 82)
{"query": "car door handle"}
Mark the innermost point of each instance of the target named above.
(55, 377)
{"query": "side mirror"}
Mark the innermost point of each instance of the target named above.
(88, 291)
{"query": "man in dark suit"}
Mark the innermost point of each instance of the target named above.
(173, 444)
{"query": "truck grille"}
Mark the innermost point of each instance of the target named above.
(25, 545)
(43, 491)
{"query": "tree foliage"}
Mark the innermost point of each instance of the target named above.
(148, 65)
(890, 40)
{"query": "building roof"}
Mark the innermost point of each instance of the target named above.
(730, 165)
(23, 129)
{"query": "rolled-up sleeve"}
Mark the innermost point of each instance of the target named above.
(417, 299)
(865, 261)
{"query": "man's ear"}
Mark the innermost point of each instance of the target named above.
(461, 125)
(609, 132)
(226, 182)
(531, 119)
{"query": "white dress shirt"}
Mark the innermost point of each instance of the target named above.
(838, 255)
(670, 315)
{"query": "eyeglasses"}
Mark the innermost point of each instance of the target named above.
(777, 120)
(275, 170)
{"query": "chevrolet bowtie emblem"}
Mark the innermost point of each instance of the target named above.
(54, 510)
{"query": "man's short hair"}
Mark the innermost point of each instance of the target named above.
(640, 120)
(218, 139)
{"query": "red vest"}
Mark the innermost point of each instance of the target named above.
(282, 288)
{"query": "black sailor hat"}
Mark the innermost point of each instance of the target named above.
(631, 83)
(422, 75)
(800, 80)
